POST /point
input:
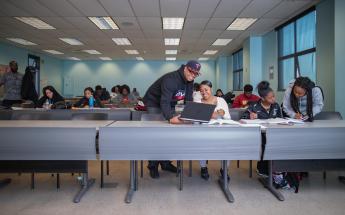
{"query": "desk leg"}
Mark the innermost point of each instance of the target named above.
(190, 168)
(5, 182)
(181, 175)
(268, 183)
(136, 175)
(86, 184)
(131, 189)
(342, 179)
(102, 174)
(223, 183)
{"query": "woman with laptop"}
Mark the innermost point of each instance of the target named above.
(220, 112)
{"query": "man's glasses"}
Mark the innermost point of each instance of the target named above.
(195, 73)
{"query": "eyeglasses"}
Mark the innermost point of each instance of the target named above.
(195, 73)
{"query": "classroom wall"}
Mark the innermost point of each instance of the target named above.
(221, 74)
(339, 56)
(255, 71)
(140, 74)
(246, 62)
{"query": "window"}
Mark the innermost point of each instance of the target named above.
(296, 48)
(237, 59)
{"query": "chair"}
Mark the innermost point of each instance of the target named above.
(89, 116)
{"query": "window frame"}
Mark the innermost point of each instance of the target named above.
(234, 72)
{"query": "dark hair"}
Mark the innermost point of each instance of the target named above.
(219, 90)
(307, 85)
(248, 88)
(196, 86)
(264, 88)
(125, 86)
(56, 95)
(206, 82)
(98, 87)
(89, 89)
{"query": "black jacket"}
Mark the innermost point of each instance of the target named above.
(28, 90)
(167, 90)
(274, 112)
(85, 101)
(52, 101)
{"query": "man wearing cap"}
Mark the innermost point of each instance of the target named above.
(243, 100)
(12, 81)
(162, 96)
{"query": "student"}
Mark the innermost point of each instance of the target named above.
(102, 94)
(115, 90)
(265, 108)
(162, 96)
(125, 97)
(50, 97)
(84, 102)
(12, 81)
(135, 93)
(302, 99)
(196, 92)
(221, 111)
(219, 93)
(28, 90)
(243, 100)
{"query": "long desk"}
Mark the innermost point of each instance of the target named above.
(162, 141)
(49, 146)
(315, 146)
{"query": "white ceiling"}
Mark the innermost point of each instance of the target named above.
(205, 21)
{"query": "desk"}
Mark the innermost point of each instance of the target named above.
(319, 145)
(135, 140)
(49, 146)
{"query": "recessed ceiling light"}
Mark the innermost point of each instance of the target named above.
(221, 42)
(104, 22)
(73, 58)
(171, 41)
(72, 41)
(172, 23)
(92, 51)
(35, 22)
(203, 58)
(105, 58)
(139, 58)
(122, 41)
(210, 52)
(132, 51)
(53, 51)
(241, 24)
(170, 51)
(22, 41)
(170, 58)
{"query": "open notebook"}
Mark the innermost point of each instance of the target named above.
(222, 122)
(272, 121)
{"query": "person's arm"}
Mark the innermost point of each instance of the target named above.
(317, 100)
(236, 103)
(98, 103)
(279, 111)
(79, 103)
(224, 106)
(167, 90)
(286, 103)
(246, 115)
(2, 80)
(41, 101)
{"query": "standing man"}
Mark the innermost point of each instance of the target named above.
(162, 96)
(12, 81)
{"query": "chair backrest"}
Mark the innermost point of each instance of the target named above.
(152, 117)
(328, 115)
(31, 116)
(89, 116)
(236, 113)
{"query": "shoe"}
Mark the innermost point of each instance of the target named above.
(153, 170)
(167, 166)
(262, 174)
(221, 173)
(204, 173)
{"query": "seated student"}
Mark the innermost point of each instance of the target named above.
(102, 94)
(50, 99)
(302, 99)
(135, 93)
(28, 90)
(219, 93)
(243, 100)
(221, 111)
(84, 102)
(125, 98)
(115, 90)
(265, 108)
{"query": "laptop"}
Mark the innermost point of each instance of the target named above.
(197, 112)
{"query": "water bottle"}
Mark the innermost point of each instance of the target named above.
(46, 104)
(91, 102)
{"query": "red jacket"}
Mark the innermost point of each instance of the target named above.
(242, 101)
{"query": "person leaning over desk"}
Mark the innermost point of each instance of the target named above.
(162, 96)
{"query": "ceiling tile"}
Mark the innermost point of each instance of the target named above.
(147, 8)
(89, 7)
(230, 8)
(201, 8)
(117, 8)
(176, 8)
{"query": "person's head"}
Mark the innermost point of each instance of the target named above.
(125, 90)
(116, 89)
(191, 70)
(206, 89)
(196, 87)
(134, 90)
(98, 90)
(219, 93)
(248, 90)
(49, 92)
(88, 92)
(303, 86)
(13, 66)
(266, 93)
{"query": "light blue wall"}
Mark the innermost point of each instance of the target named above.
(339, 56)
(255, 71)
(139, 74)
(51, 68)
(246, 62)
(221, 74)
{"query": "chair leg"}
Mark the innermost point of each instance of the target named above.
(238, 164)
(107, 167)
(190, 168)
(32, 181)
(57, 181)
(324, 175)
(141, 169)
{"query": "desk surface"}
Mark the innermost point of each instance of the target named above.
(55, 123)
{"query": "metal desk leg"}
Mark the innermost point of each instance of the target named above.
(57, 181)
(32, 181)
(131, 189)
(107, 167)
(190, 168)
(238, 164)
(5, 182)
(136, 175)
(268, 183)
(102, 175)
(250, 168)
(141, 169)
(223, 182)
(181, 175)
(86, 184)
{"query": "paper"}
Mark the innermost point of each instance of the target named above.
(272, 121)
(222, 122)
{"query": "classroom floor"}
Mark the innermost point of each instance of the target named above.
(316, 196)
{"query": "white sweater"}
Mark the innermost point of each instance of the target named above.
(221, 104)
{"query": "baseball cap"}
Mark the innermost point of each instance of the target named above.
(194, 65)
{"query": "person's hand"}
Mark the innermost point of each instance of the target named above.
(298, 116)
(221, 112)
(176, 120)
(253, 115)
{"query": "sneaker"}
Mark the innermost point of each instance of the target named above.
(264, 175)
(204, 173)
(221, 173)
(167, 166)
(153, 171)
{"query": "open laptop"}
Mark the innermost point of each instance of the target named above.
(197, 112)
